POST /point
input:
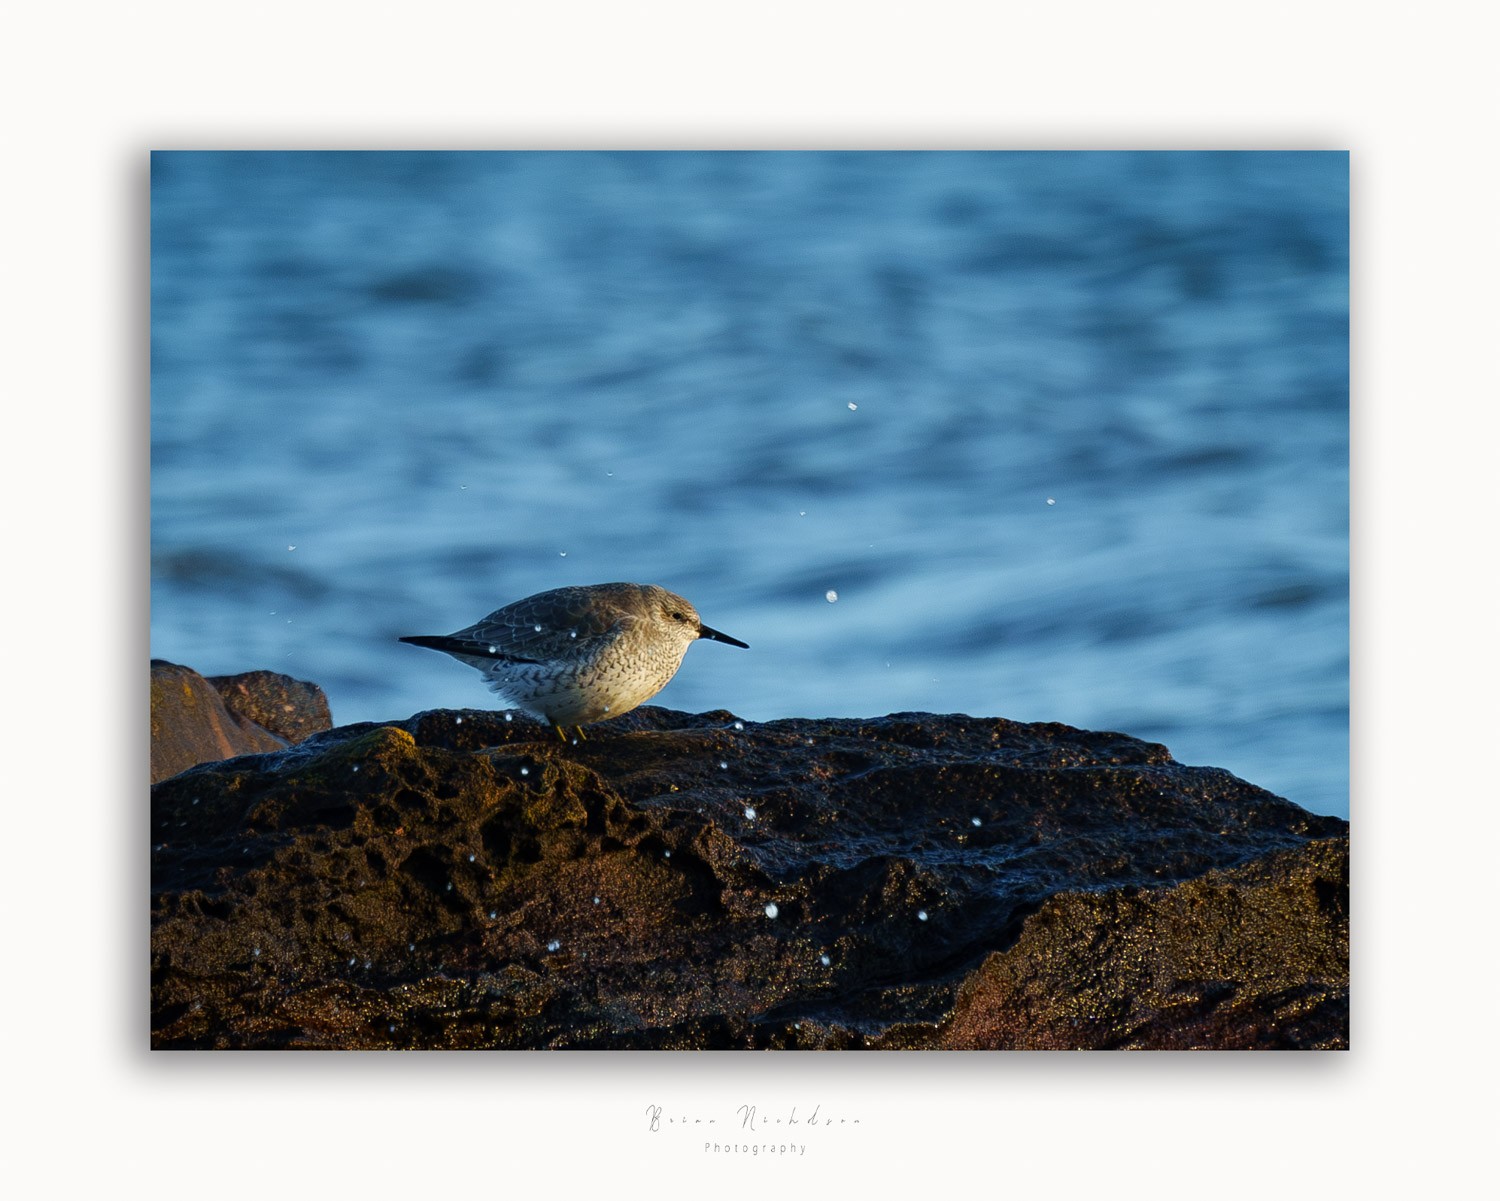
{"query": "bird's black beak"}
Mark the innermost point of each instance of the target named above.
(705, 632)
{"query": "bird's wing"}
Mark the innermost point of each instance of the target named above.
(561, 623)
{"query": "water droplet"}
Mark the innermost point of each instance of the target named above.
(411, 946)
(526, 771)
(852, 406)
(596, 900)
(572, 633)
(538, 629)
(921, 915)
(749, 813)
(255, 951)
(355, 767)
(1050, 501)
(609, 473)
(471, 858)
(291, 548)
(723, 766)
(830, 596)
(352, 962)
(507, 717)
(493, 649)
(367, 965)
(553, 945)
(824, 960)
(449, 888)
(458, 721)
(802, 513)
(562, 554)
(974, 821)
(390, 1029)
(666, 854)
(492, 915)
(771, 910)
(739, 725)
(195, 800)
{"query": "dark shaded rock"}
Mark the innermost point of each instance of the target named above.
(194, 720)
(460, 880)
(1255, 956)
(290, 709)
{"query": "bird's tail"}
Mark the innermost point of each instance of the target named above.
(481, 654)
(437, 643)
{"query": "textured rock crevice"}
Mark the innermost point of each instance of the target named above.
(463, 880)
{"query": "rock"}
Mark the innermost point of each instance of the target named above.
(290, 709)
(190, 723)
(460, 880)
(194, 720)
(1251, 957)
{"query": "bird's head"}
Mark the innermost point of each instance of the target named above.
(672, 614)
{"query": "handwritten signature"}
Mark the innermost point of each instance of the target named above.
(751, 1120)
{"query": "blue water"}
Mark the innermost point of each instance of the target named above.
(1066, 433)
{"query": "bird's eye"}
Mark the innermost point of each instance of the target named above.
(678, 617)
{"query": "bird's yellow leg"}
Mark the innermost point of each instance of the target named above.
(561, 733)
(582, 737)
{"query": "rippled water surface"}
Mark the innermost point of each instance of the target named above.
(1066, 435)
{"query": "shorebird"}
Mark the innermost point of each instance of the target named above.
(577, 655)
